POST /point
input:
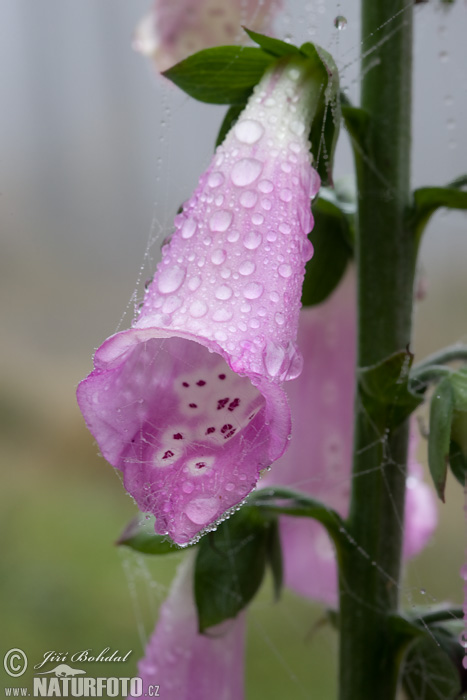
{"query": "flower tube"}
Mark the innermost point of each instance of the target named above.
(188, 403)
(187, 665)
(174, 29)
(319, 460)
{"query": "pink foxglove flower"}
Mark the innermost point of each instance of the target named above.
(319, 460)
(188, 665)
(174, 29)
(188, 403)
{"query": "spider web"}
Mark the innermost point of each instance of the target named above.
(273, 629)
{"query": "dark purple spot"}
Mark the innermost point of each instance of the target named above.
(221, 376)
(193, 405)
(222, 402)
(210, 430)
(200, 465)
(201, 382)
(185, 384)
(233, 405)
(178, 436)
(168, 454)
(226, 427)
(230, 433)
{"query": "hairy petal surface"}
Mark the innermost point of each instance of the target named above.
(174, 29)
(188, 403)
(188, 665)
(319, 460)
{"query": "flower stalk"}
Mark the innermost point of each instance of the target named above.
(369, 574)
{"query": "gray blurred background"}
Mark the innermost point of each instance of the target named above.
(97, 153)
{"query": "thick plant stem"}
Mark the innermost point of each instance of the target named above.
(369, 575)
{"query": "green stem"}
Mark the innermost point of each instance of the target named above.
(369, 575)
(452, 353)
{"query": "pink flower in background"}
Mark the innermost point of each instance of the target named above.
(188, 665)
(188, 403)
(319, 460)
(174, 29)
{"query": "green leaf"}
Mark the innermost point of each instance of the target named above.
(221, 75)
(285, 501)
(326, 122)
(457, 462)
(332, 251)
(230, 566)
(276, 47)
(356, 122)
(441, 407)
(274, 557)
(230, 119)
(429, 673)
(428, 199)
(140, 536)
(385, 391)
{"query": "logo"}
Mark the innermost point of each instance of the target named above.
(63, 671)
(15, 662)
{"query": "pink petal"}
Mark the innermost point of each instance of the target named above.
(176, 29)
(188, 403)
(187, 665)
(319, 459)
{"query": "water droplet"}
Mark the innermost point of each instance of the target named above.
(222, 315)
(171, 304)
(297, 128)
(286, 168)
(198, 308)
(220, 220)
(219, 200)
(248, 199)
(246, 171)
(201, 510)
(247, 268)
(279, 319)
(294, 74)
(285, 229)
(271, 236)
(233, 236)
(229, 486)
(253, 290)
(187, 487)
(215, 180)
(270, 102)
(248, 131)
(273, 358)
(265, 186)
(170, 279)
(266, 204)
(257, 219)
(252, 240)
(245, 308)
(285, 270)
(254, 323)
(285, 195)
(188, 228)
(193, 283)
(218, 256)
(340, 22)
(422, 591)
(225, 273)
(223, 292)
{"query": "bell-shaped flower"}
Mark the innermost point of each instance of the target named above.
(188, 403)
(174, 29)
(187, 665)
(319, 461)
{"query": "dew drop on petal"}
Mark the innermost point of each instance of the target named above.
(257, 219)
(201, 510)
(266, 204)
(265, 186)
(170, 279)
(233, 236)
(188, 487)
(248, 131)
(215, 179)
(223, 292)
(248, 199)
(285, 228)
(198, 308)
(188, 228)
(246, 171)
(279, 319)
(285, 270)
(271, 236)
(229, 486)
(274, 297)
(171, 304)
(193, 283)
(220, 221)
(253, 290)
(252, 240)
(222, 315)
(247, 268)
(218, 256)
(285, 195)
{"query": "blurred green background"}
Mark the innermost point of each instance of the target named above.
(97, 154)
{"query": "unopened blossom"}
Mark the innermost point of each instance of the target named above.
(185, 664)
(319, 461)
(188, 404)
(175, 29)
